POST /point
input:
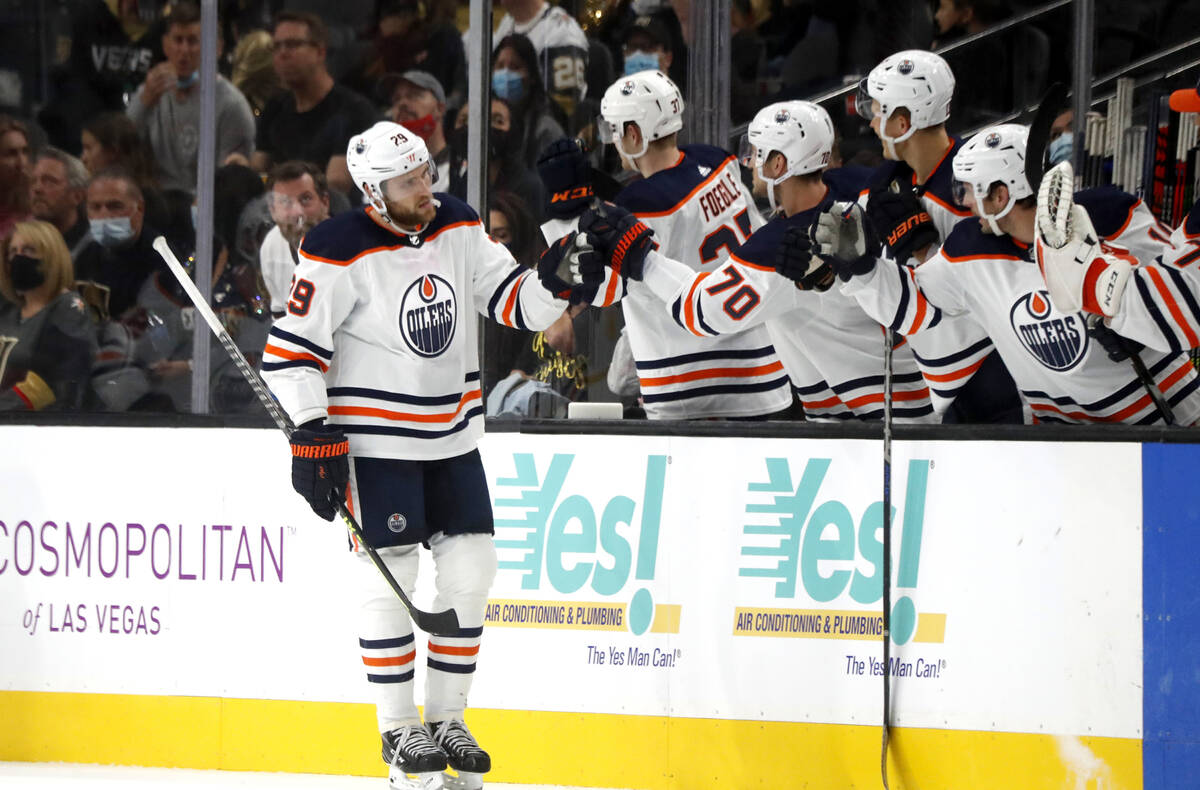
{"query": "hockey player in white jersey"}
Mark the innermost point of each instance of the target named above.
(985, 270)
(911, 206)
(693, 199)
(377, 361)
(830, 348)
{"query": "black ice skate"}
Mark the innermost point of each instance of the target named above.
(416, 762)
(463, 754)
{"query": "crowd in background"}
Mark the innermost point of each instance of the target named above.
(98, 152)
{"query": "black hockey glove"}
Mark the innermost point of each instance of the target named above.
(320, 466)
(796, 260)
(1117, 347)
(900, 219)
(622, 239)
(564, 170)
(560, 268)
(845, 241)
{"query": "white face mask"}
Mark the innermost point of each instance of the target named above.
(111, 231)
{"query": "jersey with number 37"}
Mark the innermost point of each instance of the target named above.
(700, 213)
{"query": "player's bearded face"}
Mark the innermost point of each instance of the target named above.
(409, 198)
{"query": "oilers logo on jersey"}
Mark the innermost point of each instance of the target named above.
(428, 314)
(397, 522)
(1056, 340)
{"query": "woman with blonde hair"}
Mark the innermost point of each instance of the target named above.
(49, 341)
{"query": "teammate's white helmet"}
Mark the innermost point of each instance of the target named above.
(648, 98)
(385, 151)
(799, 130)
(995, 154)
(919, 81)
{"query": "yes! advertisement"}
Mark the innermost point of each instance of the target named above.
(662, 576)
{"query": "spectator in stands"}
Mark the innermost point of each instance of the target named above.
(983, 68)
(507, 170)
(516, 78)
(561, 46)
(57, 195)
(418, 103)
(254, 71)
(166, 107)
(111, 140)
(113, 44)
(15, 173)
(299, 199)
(50, 363)
(124, 257)
(647, 45)
(408, 39)
(315, 117)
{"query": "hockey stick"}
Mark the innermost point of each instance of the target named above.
(1056, 200)
(887, 551)
(1039, 133)
(437, 623)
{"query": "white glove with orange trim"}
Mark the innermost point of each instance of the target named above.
(1079, 274)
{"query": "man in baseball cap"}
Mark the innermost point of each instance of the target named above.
(647, 46)
(418, 103)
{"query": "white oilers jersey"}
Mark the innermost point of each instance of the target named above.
(937, 193)
(278, 262)
(1160, 306)
(380, 334)
(1062, 374)
(700, 212)
(831, 349)
(950, 355)
(562, 48)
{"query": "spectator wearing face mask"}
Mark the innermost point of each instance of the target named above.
(418, 103)
(166, 107)
(507, 170)
(299, 200)
(560, 44)
(647, 46)
(48, 366)
(124, 258)
(517, 80)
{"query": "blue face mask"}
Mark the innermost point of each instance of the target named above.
(1061, 147)
(640, 61)
(188, 81)
(508, 85)
(111, 231)
(195, 217)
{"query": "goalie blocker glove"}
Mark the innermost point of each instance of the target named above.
(320, 466)
(564, 170)
(622, 238)
(900, 219)
(1079, 273)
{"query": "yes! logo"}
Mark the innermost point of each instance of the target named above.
(551, 535)
(815, 546)
(428, 315)
(1057, 340)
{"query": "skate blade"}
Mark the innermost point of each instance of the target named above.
(399, 780)
(463, 780)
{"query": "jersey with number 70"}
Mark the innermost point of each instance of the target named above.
(700, 213)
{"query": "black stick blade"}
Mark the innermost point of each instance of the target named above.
(1039, 133)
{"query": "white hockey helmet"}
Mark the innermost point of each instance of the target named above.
(385, 151)
(995, 154)
(800, 130)
(648, 98)
(919, 81)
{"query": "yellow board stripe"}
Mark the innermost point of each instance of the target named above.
(652, 752)
(930, 628)
(666, 618)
